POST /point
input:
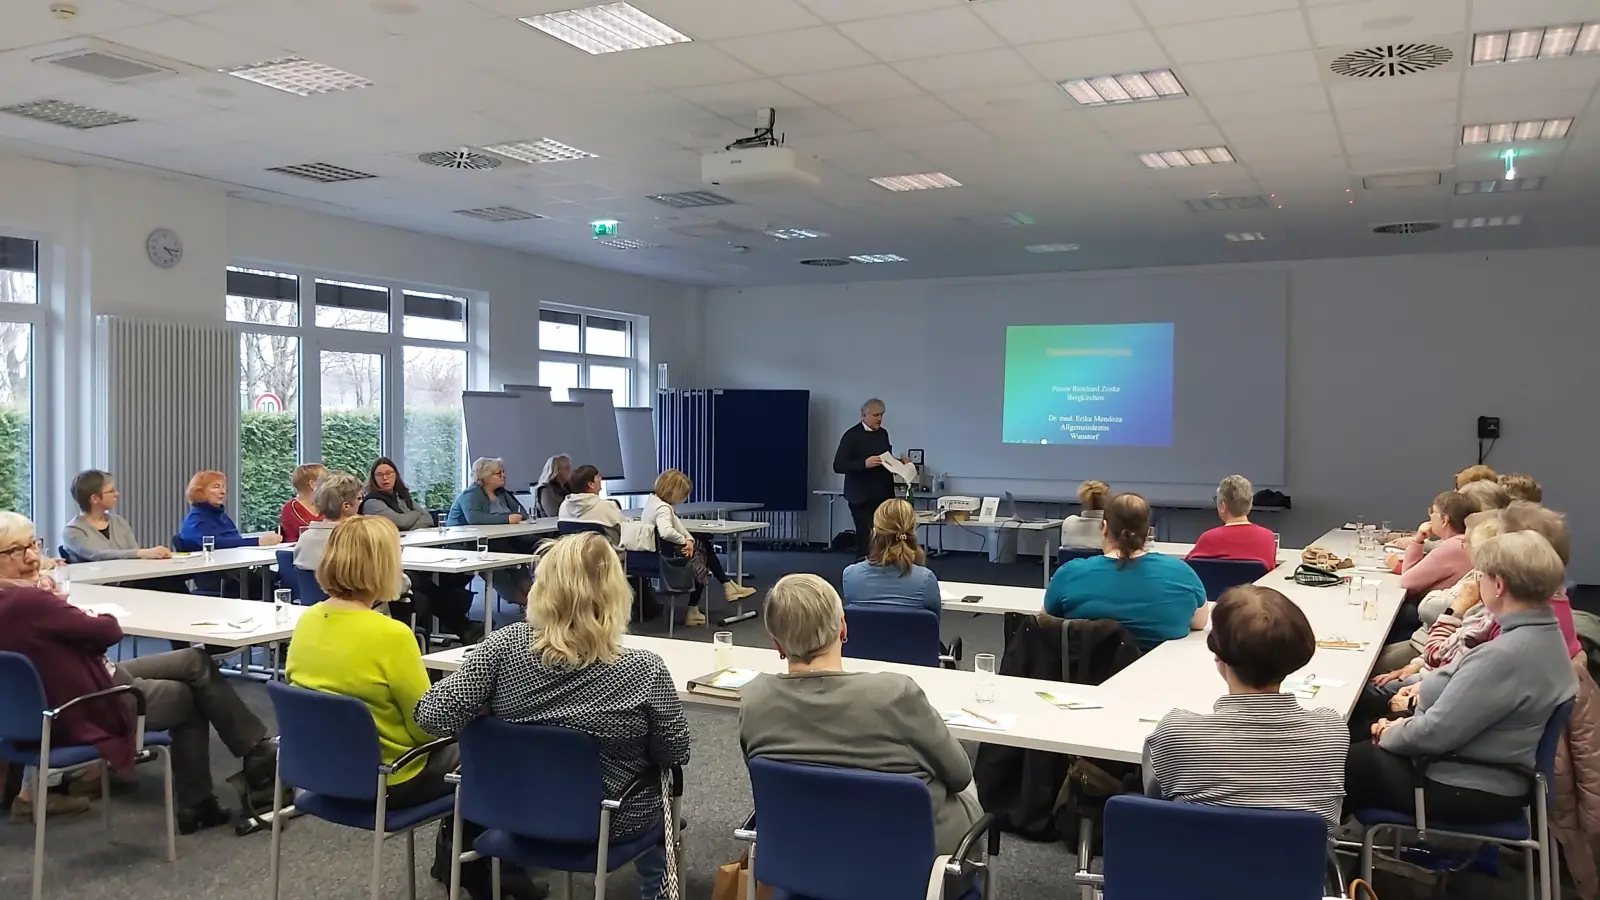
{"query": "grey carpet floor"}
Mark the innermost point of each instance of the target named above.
(326, 862)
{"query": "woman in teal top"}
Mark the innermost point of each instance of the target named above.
(1155, 596)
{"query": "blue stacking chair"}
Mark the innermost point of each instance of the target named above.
(538, 792)
(1065, 555)
(328, 751)
(897, 634)
(1532, 836)
(565, 527)
(879, 845)
(1206, 850)
(1220, 574)
(288, 575)
(25, 740)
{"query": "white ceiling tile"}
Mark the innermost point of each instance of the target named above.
(985, 68)
(677, 66)
(27, 24)
(1316, 128)
(1493, 15)
(854, 143)
(880, 114)
(1252, 73)
(847, 85)
(1176, 12)
(1134, 117)
(1489, 108)
(1277, 32)
(1359, 93)
(979, 103)
(1175, 136)
(1382, 21)
(930, 140)
(1034, 21)
(182, 40)
(795, 52)
(1129, 51)
(715, 20)
(1398, 121)
(742, 98)
(1272, 102)
(1410, 159)
(1572, 74)
(1432, 137)
(938, 32)
(850, 10)
(879, 165)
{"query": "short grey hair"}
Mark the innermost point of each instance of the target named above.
(873, 404)
(15, 528)
(803, 614)
(332, 491)
(1236, 495)
(484, 466)
(1530, 567)
(1486, 494)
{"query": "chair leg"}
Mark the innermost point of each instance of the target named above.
(277, 834)
(1530, 879)
(166, 798)
(601, 855)
(379, 821)
(411, 864)
(566, 878)
(455, 850)
(41, 785)
(494, 877)
(105, 796)
(1367, 841)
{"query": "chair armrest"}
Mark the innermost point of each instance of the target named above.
(1421, 764)
(648, 778)
(406, 757)
(960, 870)
(747, 831)
(138, 700)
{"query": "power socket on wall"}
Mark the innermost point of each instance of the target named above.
(1488, 428)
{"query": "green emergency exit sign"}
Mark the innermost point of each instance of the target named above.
(604, 228)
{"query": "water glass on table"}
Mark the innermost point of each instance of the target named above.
(63, 580)
(1354, 588)
(984, 674)
(483, 547)
(282, 599)
(721, 651)
(1369, 600)
(208, 545)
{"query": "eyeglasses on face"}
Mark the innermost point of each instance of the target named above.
(37, 546)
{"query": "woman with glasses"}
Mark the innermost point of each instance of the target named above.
(97, 533)
(487, 502)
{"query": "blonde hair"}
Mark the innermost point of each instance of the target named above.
(1236, 495)
(202, 481)
(672, 486)
(1523, 487)
(894, 537)
(1525, 516)
(1483, 525)
(1092, 494)
(1525, 561)
(15, 528)
(578, 608)
(362, 561)
(1486, 494)
(804, 616)
(303, 477)
(1470, 474)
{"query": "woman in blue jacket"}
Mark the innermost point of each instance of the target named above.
(208, 518)
(487, 502)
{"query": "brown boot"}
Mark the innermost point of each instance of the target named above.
(55, 805)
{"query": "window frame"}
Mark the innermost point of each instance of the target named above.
(637, 361)
(46, 458)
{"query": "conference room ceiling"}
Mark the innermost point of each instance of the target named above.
(873, 88)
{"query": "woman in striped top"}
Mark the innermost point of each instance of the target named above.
(1259, 747)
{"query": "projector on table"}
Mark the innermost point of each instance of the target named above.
(958, 509)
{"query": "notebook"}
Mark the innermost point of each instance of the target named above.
(723, 683)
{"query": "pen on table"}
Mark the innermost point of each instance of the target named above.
(978, 715)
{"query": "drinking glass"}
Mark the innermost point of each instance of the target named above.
(282, 599)
(1277, 545)
(63, 580)
(208, 545)
(721, 650)
(1369, 598)
(983, 669)
(1353, 590)
(722, 517)
(483, 547)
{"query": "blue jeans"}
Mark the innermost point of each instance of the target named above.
(651, 867)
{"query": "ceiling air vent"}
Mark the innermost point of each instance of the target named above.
(114, 63)
(499, 214)
(464, 158)
(1399, 180)
(690, 199)
(1406, 228)
(826, 262)
(1391, 60)
(322, 172)
(1223, 204)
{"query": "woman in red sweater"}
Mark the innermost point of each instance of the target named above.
(300, 511)
(184, 693)
(1237, 537)
(1449, 560)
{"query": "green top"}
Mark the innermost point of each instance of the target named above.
(364, 654)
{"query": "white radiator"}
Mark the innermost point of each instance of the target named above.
(172, 409)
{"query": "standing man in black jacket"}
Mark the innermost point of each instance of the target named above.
(866, 482)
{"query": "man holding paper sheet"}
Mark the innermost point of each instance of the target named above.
(867, 482)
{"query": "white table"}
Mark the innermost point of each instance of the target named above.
(1049, 530)
(192, 619)
(708, 508)
(737, 530)
(464, 562)
(470, 534)
(181, 565)
(992, 598)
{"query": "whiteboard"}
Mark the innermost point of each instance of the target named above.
(569, 434)
(495, 429)
(636, 429)
(600, 424)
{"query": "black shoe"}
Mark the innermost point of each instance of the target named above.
(260, 766)
(206, 814)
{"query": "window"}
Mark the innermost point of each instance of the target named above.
(263, 298)
(590, 350)
(19, 312)
(437, 317)
(352, 410)
(434, 380)
(269, 426)
(352, 307)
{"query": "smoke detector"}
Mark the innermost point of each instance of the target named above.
(66, 12)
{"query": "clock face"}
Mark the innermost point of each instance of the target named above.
(164, 248)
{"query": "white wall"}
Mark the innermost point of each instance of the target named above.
(1391, 361)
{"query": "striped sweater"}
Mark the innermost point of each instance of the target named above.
(1262, 751)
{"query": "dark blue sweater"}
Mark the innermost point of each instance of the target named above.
(205, 520)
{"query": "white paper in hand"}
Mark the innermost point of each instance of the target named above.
(904, 473)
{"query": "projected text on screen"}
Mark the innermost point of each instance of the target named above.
(1089, 385)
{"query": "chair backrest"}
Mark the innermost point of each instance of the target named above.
(62, 552)
(538, 781)
(327, 742)
(1159, 849)
(310, 589)
(22, 700)
(288, 574)
(184, 545)
(1545, 757)
(878, 844)
(1220, 574)
(897, 634)
(1065, 555)
(569, 526)
(641, 562)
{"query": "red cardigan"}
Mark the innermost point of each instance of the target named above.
(67, 646)
(293, 518)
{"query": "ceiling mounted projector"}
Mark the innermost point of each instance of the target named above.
(760, 159)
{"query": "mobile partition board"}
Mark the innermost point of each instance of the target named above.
(600, 424)
(636, 430)
(542, 427)
(569, 433)
(496, 429)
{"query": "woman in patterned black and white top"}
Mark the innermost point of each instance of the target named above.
(567, 667)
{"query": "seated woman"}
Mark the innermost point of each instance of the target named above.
(97, 533)
(893, 573)
(673, 487)
(1156, 596)
(584, 504)
(1402, 660)
(208, 518)
(1522, 487)
(1258, 747)
(1490, 705)
(1082, 531)
(566, 666)
(334, 498)
(299, 512)
(878, 721)
(1237, 537)
(447, 597)
(552, 487)
(185, 694)
(1448, 560)
(386, 495)
(487, 502)
(1478, 472)
(1486, 495)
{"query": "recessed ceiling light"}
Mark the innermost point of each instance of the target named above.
(1178, 159)
(1245, 236)
(498, 214)
(690, 199)
(1486, 222)
(1547, 42)
(322, 172)
(925, 182)
(1525, 130)
(606, 28)
(879, 258)
(795, 234)
(1223, 204)
(1499, 186)
(70, 115)
(541, 151)
(1051, 248)
(626, 244)
(301, 77)
(1133, 87)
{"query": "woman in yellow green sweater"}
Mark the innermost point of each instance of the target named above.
(343, 646)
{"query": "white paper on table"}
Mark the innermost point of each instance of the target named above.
(963, 719)
(237, 626)
(104, 609)
(905, 473)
